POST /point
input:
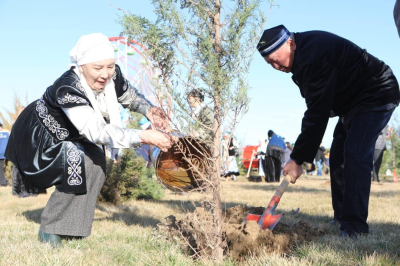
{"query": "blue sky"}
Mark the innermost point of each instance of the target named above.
(36, 37)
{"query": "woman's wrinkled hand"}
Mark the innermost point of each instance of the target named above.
(159, 119)
(162, 140)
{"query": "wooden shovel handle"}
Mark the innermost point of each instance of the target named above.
(282, 187)
(251, 161)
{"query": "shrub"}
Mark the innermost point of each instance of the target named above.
(129, 179)
(8, 165)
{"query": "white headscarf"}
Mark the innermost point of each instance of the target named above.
(92, 48)
(263, 146)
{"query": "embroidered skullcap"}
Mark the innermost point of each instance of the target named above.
(144, 123)
(91, 48)
(272, 39)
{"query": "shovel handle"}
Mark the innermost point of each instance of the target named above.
(251, 161)
(282, 187)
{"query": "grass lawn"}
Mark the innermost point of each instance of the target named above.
(123, 235)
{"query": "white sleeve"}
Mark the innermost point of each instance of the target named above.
(94, 128)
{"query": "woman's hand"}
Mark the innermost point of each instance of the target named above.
(293, 169)
(161, 140)
(159, 119)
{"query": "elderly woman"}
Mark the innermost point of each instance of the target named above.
(59, 139)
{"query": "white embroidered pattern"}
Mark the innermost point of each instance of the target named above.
(79, 86)
(114, 76)
(50, 122)
(68, 98)
(74, 169)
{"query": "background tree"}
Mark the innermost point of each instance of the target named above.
(8, 118)
(205, 44)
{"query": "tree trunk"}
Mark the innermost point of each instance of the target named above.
(217, 253)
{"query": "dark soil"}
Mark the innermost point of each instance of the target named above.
(242, 239)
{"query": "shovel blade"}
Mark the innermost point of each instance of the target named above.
(270, 221)
(252, 217)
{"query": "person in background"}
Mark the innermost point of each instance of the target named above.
(4, 136)
(288, 151)
(202, 114)
(380, 147)
(327, 154)
(260, 155)
(310, 168)
(274, 157)
(230, 169)
(320, 159)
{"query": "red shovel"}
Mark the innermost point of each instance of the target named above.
(268, 220)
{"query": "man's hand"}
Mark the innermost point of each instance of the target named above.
(293, 169)
(161, 140)
(159, 119)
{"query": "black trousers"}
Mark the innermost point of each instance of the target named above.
(378, 155)
(351, 161)
(272, 169)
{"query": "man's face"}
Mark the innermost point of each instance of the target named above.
(282, 59)
(98, 73)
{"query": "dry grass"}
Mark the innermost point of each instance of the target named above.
(122, 235)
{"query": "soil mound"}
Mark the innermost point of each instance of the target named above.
(242, 240)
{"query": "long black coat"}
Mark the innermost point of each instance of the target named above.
(336, 78)
(46, 147)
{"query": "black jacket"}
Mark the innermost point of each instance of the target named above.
(336, 78)
(46, 147)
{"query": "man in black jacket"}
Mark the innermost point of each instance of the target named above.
(336, 78)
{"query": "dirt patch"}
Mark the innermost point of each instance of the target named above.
(242, 240)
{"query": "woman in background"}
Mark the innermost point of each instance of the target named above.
(228, 157)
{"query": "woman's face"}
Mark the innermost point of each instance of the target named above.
(98, 73)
